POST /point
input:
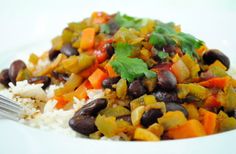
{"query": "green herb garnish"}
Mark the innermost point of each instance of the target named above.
(104, 28)
(165, 34)
(162, 55)
(129, 68)
(123, 49)
(128, 21)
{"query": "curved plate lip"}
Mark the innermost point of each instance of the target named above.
(85, 139)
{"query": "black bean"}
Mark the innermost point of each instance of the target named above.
(167, 96)
(165, 136)
(4, 77)
(166, 80)
(108, 82)
(109, 49)
(136, 89)
(232, 113)
(93, 107)
(52, 54)
(14, 69)
(176, 107)
(125, 118)
(150, 117)
(45, 80)
(62, 77)
(170, 48)
(68, 50)
(212, 55)
(83, 124)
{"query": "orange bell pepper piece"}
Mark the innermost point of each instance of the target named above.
(96, 78)
(212, 101)
(217, 82)
(87, 72)
(208, 120)
(87, 39)
(111, 72)
(81, 91)
(192, 128)
(61, 102)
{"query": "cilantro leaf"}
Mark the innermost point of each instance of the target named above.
(104, 28)
(162, 55)
(158, 40)
(123, 49)
(131, 68)
(128, 21)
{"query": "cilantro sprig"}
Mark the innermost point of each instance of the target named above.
(165, 34)
(129, 68)
(128, 21)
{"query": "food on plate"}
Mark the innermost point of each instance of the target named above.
(124, 78)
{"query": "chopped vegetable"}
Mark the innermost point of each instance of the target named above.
(216, 83)
(81, 91)
(180, 71)
(130, 36)
(96, 78)
(88, 71)
(121, 88)
(115, 111)
(61, 102)
(110, 70)
(106, 125)
(209, 121)
(212, 102)
(75, 64)
(192, 89)
(192, 111)
(73, 82)
(192, 65)
(33, 59)
(99, 17)
(191, 128)
(217, 63)
(156, 129)
(101, 55)
(229, 103)
(67, 35)
(109, 126)
(57, 43)
(225, 123)
(172, 119)
(149, 99)
(87, 39)
(136, 115)
(145, 135)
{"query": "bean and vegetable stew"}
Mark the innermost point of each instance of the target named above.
(159, 83)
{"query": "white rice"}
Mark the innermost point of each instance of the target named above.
(26, 90)
(30, 96)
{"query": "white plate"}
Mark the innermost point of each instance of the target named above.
(29, 26)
